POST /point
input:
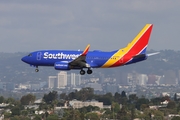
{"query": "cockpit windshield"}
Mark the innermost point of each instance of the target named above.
(30, 55)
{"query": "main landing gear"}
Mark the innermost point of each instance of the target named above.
(37, 70)
(82, 72)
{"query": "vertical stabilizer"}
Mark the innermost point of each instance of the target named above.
(137, 46)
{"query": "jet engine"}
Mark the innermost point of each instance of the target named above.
(61, 66)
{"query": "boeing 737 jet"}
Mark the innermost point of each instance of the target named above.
(134, 52)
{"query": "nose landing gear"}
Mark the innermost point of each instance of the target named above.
(37, 70)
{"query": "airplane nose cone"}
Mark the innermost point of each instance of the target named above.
(24, 59)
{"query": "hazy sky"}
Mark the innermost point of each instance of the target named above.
(30, 25)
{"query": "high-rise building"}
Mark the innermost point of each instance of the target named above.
(170, 78)
(69, 80)
(3, 85)
(62, 79)
(113, 88)
(52, 82)
(143, 78)
(73, 79)
(10, 86)
(121, 78)
(77, 79)
(101, 78)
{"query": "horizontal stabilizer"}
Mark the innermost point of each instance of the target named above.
(139, 56)
(150, 54)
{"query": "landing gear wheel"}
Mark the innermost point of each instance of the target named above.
(37, 70)
(89, 71)
(82, 72)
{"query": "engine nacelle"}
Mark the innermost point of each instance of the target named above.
(61, 66)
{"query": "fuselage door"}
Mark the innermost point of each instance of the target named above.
(39, 54)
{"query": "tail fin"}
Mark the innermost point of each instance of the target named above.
(139, 44)
(136, 47)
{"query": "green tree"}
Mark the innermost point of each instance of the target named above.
(156, 101)
(71, 96)
(132, 98)
(72, 114)
(15, 111)
(28, 99)
(141, 101)
(52, 117)
(7, 115)
(89, 109)
(123, 99)
(165, 98)
(19, 118)
(43, 106)
(171, 105)
(123, 94)
(178, 107)
(176, 118)
(92, 116)
(37, 117)
(63, 96)
(117, 97)
(143, 107)
(107, 100)
(115, 107)
(132, 109)
(155, 114)
(10, 100)
(49, 98)
(85, 94)
(108, 114)
(24, 112)
(1, 99)
(123, 114)
(175, 97)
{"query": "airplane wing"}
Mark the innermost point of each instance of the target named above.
(81, 60)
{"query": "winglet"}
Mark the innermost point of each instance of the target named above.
(86, 50)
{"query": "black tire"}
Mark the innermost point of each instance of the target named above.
(82, 72)
(89, 71)
(37, 70)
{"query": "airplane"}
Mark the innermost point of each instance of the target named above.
(134, 52)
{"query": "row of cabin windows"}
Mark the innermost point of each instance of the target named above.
(104, 58)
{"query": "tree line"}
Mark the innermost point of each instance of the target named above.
(123, 106)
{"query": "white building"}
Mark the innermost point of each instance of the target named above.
(74, 79)
(62, 79)
(52, 82)
(143, 78)
(24, 86)
(80, 104)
